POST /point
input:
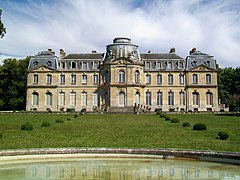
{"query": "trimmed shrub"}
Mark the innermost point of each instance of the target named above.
(158, 113)
(59, 121)
(221, 110)
(162, 115)
(27, 126)
(175, 120)
(186, 124)
(199, 127)
(223, 135)
(167, 118)
(45, 124)
(81, 113)
(68, 119)
(75, 116)
(1, 135)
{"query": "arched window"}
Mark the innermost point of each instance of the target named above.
(137, 77)
(84, 65)
(73, 99)
(196, 98)
(63, 65)
(48, 99)
(49, 63)
(61, 98)
(209, 98)
(180, 65)
(147, 65)
(170, 98)
(73, 65)
(208, 79)
(182, 98)
(159, 98)
(195, 78)
(95, 65)
(148, 98)
(159, 65)
(121, 76)
(121, 99)
(35, 98)
(137, 98)
(170, 66)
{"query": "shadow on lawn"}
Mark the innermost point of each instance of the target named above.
(228, 114)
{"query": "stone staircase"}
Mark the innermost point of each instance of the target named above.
(124, 110)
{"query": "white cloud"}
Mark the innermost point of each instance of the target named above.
(83, 25)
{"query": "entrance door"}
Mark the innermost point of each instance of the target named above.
(121, 99)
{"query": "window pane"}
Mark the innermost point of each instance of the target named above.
(95, 79)
(62, 79)
(48, 99)
(169, 65)
(84, 79)
(170, 79)
(208, 78)
(148, 79)
(35, 98)
(49, 79)
(95, 99)
(84, 98)
(73, 99)
(195, 78)
(121, 76)
(61, 98)
(170, 98)
(148, 98)
(159, 79)
(159, 98)
(73, 79)
(137, 77)
(35, 79)
(181, 79)
(182, 98)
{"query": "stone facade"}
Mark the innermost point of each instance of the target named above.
(122, 78)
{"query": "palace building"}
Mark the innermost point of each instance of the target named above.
(122, 79)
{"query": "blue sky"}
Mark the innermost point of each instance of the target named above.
(78, 26)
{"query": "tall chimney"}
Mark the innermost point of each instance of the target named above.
(62, 53)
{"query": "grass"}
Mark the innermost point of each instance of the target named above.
(119, 131)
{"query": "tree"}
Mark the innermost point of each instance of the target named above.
(2, 28)
(13, 75)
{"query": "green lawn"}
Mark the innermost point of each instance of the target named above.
(119, 130)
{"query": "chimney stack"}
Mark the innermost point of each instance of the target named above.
(62, 53)
(172, 50)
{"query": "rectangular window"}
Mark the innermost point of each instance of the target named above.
(195, 78)
(159, 79)
(73, 99)
(48, 99)
(95, 79)
(147, 65)
(170, 98)
(148, 98)
(208, 78)
(182, 98)
(84, 79)
(159, 98)
(35, 99)
(170, 66)
(170, 79)
(209, 98)
(61, 98)
(84, 99)
(181, 79)
(35, 78)
(49, 79)
(62, 79)
(73, 79)
(148, 79)
(95, 65)
(95, 99)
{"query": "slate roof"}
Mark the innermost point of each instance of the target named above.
(84, 56)
(43, 58)
(160, 56)
(198, 58)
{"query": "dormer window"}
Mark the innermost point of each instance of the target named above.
(170, 65)
(194, 63)
(73, 65)
(180, 65)
(147, 65)
(63, 65)
(35, 63)
(159, 65)
(95, 65)
(207, 63)
(49, 63)
(84, 65)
